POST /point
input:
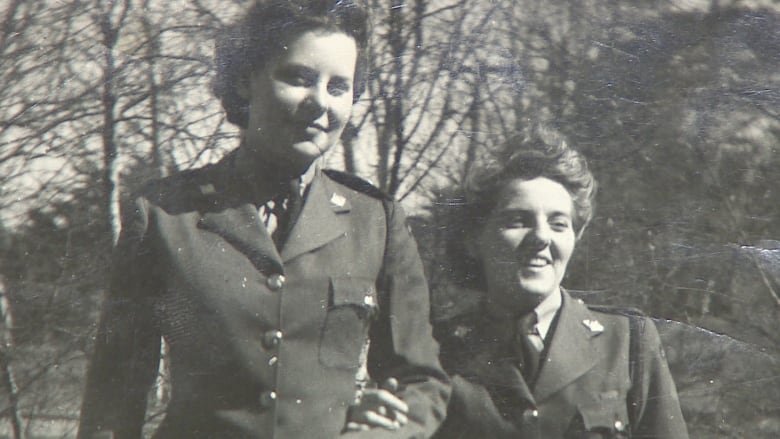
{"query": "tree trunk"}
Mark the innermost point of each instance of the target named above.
(110, 149)
(162, 387)
(6, 367)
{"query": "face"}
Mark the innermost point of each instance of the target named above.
(300, 101)
(526, 243)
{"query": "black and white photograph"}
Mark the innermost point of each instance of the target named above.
(447, 219)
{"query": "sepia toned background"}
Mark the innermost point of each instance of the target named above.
(676, 104)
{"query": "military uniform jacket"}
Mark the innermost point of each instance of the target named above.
(263, 344)
(584, 388)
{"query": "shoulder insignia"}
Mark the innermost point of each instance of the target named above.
(338, 200)
(356, 183)
(594, 326)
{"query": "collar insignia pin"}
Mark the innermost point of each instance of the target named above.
(594, 326)
(338, 200)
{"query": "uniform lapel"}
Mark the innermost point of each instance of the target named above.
(572, 351)
(495, 366)
(240, 227)
(230, 215)
(505, 378)
(320, 221)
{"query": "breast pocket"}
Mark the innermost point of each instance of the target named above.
(353, 303)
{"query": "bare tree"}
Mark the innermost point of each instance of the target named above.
(428, 59)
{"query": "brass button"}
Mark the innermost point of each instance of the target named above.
(272, 338)
(275, 281)
(267, 399)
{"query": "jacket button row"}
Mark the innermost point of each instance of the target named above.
(267, 399)
(275, 281)
(272, 338)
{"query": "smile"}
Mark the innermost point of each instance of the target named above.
(537, 262)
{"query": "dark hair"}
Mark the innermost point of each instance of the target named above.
(247, 45)
(542, 153)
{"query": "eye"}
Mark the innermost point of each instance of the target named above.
(297, 76)
(515, 220)
(515, 223)
(339, 86)
(560, 223)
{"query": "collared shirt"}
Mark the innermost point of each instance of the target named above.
(545, 314)
(269, 211)
(305, 180)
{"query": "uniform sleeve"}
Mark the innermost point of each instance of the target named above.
(658, 413)
(126, 353)
(402, 344)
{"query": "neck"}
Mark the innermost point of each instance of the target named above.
(253, 160)
(264, 177)
(520, 305)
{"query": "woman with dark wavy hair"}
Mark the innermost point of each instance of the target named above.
(531, 361)
(285, 292)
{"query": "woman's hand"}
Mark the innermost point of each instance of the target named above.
(379, 408)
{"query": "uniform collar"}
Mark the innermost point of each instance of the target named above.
(572, 351)
(230, 211)
(322, 218)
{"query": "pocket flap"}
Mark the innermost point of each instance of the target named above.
(353, 291)
(608, 415)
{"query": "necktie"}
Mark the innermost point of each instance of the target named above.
(280, 212)
(529, 351)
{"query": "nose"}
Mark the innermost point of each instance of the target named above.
(316, 101)
(540, 237)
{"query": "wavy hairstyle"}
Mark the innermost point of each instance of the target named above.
(261, 35)
(542, 153)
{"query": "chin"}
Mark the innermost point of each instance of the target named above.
(310, 149)
(301, 155)
(537, 288)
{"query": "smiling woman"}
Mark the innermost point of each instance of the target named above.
(300, 102)
(527, 242)
(531, 361)
(287, 294)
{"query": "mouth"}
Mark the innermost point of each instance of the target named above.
(315, 128)
(307, 131)
(536, 261)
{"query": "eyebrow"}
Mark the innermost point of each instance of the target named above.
(303, 67)
(516, 211)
